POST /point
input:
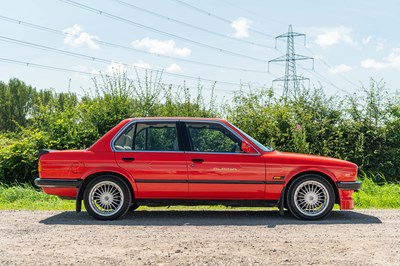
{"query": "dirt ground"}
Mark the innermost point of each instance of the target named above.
(367, 237)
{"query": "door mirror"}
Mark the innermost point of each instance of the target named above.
(247, 148)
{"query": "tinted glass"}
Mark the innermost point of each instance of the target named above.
(156, 137)
(212, 137)
(124, 141)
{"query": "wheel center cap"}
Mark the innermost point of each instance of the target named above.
(311, 198)
(106, 198)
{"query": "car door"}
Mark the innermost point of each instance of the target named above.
(218, 168)
(150, 151)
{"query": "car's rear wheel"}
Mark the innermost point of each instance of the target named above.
(107, 197)
(310, 197)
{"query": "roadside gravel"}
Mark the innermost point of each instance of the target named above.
(366, 237)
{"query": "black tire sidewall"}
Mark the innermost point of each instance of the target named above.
(290, 197)
(125, 190)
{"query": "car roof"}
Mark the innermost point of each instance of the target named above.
(177, 118)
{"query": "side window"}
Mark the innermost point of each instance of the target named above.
(156, 137)
(212, 137)
(124, 141)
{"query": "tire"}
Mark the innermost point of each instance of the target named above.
(107, 197)
(310, 197)
(133, 206)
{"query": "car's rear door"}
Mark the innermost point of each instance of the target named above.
(151, 152)
(217, 167)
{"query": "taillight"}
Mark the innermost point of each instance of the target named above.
(40, 166)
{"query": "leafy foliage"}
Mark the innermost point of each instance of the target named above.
(363, 128)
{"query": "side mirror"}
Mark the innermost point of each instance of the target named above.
(247, 148)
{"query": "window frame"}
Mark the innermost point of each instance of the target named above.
(135, 124)
(183, 138)
(188, 145)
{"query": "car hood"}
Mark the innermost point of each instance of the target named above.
(305, 159)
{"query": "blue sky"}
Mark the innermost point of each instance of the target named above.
(350, 41)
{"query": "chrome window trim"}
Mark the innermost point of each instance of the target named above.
(175, 121)
(112, 142)
(227, 128)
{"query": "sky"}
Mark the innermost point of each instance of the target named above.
(220, 44)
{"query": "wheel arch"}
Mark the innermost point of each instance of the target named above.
(321, 174)
(79, 196)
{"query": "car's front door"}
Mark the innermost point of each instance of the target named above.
(218, 168)
(151, 152)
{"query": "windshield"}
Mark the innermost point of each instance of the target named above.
(258, 144)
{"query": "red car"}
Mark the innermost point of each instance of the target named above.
(193, 161)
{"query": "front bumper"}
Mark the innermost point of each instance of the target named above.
(345, 190)
(356, 185)
(58, 183)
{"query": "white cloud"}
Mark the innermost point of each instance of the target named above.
(161, 47)
(390, 61)
(115, 67)
(331, 36)
(380, 45)
(77, 37)
(142, 64)
(366, 40)
(340, 69)
(241, 27)
(174, 68)
(87, 69)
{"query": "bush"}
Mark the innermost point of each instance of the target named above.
(18, 156)
(362, 128)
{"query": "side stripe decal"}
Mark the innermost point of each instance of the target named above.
(209, 181)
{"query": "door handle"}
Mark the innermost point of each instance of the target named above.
(197, 160)
(128, 159)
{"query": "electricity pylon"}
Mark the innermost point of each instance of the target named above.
(291, 80)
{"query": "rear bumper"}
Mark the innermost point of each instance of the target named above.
(58, 183)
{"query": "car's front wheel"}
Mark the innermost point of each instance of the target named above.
(310, 197)
(107, 197)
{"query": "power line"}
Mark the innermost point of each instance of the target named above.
(131, 49)
(263, 16)
(323, 78)
(136, 24)
(255, 31)
(329, 67)
(219, 17)
(190, 25)
(85, 73)
(102, 60)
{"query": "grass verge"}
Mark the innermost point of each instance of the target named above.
(26, 197)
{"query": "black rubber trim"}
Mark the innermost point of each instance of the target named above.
(161, 181)
(356, 185)
(61, 183)
(197, 202)
(282, 201)
(41, 152)
(209, 181)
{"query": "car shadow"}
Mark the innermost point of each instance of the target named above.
(267, 218)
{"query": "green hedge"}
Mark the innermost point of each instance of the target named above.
(363, 128)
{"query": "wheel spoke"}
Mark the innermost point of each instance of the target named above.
(311, 198)
(106, 198)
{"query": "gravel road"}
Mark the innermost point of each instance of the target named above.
(366, 237)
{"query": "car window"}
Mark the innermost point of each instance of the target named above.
(124, 141)
(212, 137)
(156, 137)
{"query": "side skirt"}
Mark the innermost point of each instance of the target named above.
(196, 202)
